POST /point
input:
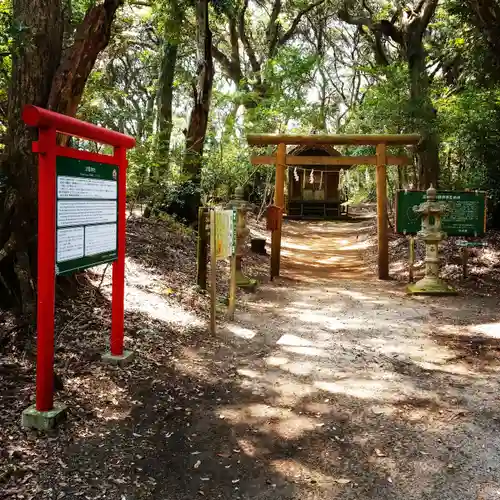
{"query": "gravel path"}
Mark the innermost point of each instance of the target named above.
(374, 394)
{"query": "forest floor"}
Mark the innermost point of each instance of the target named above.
(329, 383)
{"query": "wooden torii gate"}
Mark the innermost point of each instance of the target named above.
(380, 160)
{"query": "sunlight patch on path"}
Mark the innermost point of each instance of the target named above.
(144, 294)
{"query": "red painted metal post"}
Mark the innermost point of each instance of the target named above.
(46, 268)
(118, 290)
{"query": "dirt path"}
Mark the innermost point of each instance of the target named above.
(330, 385)
(370, 393)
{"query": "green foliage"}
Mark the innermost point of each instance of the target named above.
(470, 123)
(324, 78)
(386, 107)
(288, 76)
(5, 59)
(78, 9)
(226, 169)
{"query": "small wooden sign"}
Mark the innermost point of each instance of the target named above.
(222, 246)
(273, 217)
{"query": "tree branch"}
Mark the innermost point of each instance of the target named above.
(233, 37)
(291, 31)
(385, 27)
(345, 16)
(272, 28)
(254, 63)
(233, 71)
(367, 7)
(428, 8)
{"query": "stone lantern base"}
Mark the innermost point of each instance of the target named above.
(243, 281)
(430, 285)
(248, 284)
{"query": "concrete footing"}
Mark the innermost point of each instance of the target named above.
(121, 360)
(43, 420)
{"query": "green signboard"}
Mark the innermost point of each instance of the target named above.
(467, 212)
(86, 214)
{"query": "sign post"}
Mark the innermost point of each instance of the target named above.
(222, 246)
(81, 223)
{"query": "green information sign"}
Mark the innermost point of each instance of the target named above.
(86, 214)
(467, 212)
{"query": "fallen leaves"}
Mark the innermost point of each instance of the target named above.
(342, 481)
(165, 417)
(484, 273)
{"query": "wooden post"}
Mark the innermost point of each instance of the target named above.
(383, 242)
(279, 201)
(213, 273)
(465, 261)
(202, 249)
(412, 259)
(232, 288)
(233, 262)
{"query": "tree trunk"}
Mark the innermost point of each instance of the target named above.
(35, 56)
(422, 109)
(487, 19)
(202, 93)
(91, 38)
(165, 125)
(195, 137)
(40, 78)
(165, 98)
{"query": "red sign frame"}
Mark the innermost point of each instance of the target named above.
(49, 124)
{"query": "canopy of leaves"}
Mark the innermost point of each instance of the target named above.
(290, 66)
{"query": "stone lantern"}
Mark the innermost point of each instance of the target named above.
(242, 233)
(431, 212)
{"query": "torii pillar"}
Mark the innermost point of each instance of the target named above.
(279, 201)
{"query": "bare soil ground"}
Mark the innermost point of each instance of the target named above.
(329, 384)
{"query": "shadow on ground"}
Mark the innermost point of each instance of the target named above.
(346, 390)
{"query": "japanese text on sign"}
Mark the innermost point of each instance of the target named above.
(225, 232)
(87, 214)
(466, 217)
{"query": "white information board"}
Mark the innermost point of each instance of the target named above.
(100, 239)
(69, 244)
(87, 214)
(77, 187)
(83, 212)
(225, 232)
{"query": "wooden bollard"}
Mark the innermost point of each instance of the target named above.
(202, 249)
